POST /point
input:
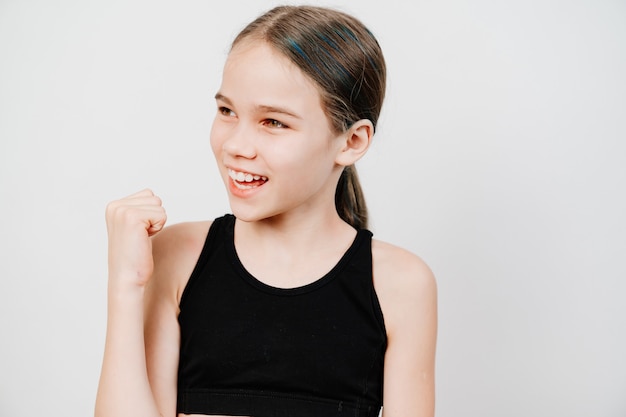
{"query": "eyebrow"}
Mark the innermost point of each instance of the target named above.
(260, 107)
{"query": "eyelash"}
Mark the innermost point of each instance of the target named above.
(273, 123)
(225, 111)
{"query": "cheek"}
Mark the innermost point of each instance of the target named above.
(216, 137)
(304, 148)
(310, 162)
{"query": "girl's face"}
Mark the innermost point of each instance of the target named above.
(273, 143)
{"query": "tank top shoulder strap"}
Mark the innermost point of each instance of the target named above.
(220, 230)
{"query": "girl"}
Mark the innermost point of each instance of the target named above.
(287, 307)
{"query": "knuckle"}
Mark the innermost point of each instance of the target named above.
(111, 208)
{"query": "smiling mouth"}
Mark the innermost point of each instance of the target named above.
(245, 180)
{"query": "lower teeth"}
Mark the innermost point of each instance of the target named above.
(244, 186)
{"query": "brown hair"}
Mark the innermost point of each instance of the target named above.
(345, 61)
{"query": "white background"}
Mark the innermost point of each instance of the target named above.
(500, 159)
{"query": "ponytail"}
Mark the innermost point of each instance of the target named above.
(349, 199)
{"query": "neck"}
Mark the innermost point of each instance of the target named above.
(290, 251)
(294, 230)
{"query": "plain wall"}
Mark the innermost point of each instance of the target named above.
(500, 159)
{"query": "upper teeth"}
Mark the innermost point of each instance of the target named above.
(244, 176)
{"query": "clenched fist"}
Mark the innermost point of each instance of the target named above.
(131, 222)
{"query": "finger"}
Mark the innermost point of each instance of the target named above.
(128, 214)
(156, 223)
(152, 200)
(134, 202)
(146, 192)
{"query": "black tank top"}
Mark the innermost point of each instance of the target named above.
(251, 349)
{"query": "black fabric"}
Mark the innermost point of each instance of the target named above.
(255, 350)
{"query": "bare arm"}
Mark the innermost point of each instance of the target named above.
(124, 389)
(176, 252)
(407, 291)
(161, 330)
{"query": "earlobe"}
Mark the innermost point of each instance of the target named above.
(357, 141)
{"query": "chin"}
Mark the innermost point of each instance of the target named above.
(248, 213)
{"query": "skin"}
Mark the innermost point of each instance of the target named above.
(269, 123)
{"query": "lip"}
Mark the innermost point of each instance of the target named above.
(245, 171)
(245, 176)
(242, 192)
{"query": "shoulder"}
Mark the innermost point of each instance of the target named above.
(407, 293)
(395, 267)
(180, 237)
(404, 284)
(175, 251)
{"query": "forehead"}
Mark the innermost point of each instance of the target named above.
(258, 52)
(257, 72)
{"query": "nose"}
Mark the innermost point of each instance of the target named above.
(240, 142)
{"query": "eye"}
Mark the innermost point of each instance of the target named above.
(225, 111)
(274, 123)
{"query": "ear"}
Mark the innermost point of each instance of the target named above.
(355, 142)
